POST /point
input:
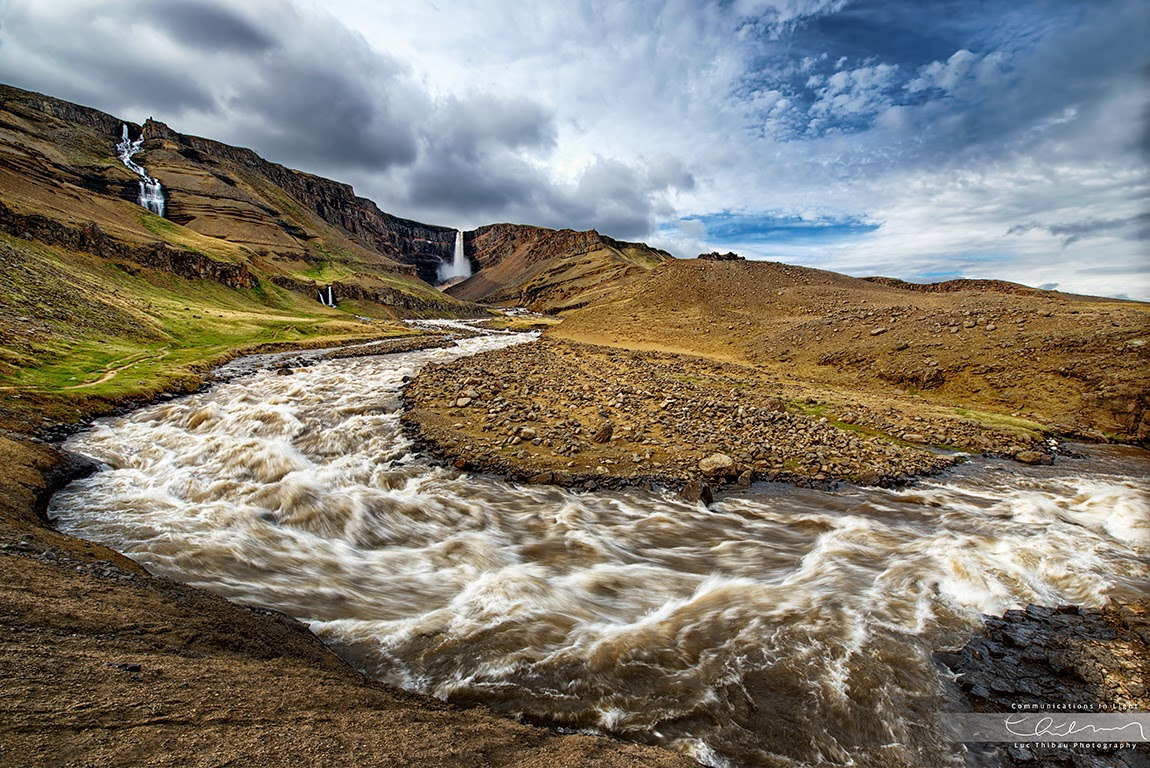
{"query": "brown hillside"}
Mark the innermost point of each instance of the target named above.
(549, 270)
(1079, 365)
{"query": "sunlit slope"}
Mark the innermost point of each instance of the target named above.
(550, 270)
(1080, 365)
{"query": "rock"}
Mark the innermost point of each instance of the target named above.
(460, 464)
(463, 402)
(878, 331)
(911, 437)
(543, 478)
(527, 433)
(1033, 457)
(717, 465)
(745, 479)
(603, 433)
(285, 371)
(694, 492)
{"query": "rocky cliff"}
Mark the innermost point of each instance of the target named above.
(549, 270)
(229, 212)
(419, 245)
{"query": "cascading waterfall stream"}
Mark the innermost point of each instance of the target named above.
(151, 191)
(459, 268)
(783, 626)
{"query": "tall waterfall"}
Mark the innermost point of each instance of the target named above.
(151, 192)
(459, 268)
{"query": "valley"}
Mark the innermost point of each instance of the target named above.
(545, 496)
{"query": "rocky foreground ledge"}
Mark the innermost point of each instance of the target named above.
(106, 665)
(572, 414)
(1059, 659)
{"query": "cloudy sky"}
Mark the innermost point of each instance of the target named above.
(923, 139)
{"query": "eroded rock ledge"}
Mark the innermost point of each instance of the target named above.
(1062, 659)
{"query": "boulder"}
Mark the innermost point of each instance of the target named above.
(718, 465)
(1033, 457)
(694, 492)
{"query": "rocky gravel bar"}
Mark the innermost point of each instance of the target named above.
(572, 414)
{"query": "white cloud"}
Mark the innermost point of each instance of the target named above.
(630, 116)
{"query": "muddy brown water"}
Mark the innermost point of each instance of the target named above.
(782, 627)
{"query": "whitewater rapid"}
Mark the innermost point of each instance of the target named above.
(781, 627)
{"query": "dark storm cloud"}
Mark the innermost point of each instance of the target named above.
(1131, 228)
(325, 117)
(1132, 269)
(467, 128)
(207, 26)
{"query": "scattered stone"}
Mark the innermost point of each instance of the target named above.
(603, 433)
(695, 491)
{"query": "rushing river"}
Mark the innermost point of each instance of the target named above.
(782, 627)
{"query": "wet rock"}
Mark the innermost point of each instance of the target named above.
(1033, 457)
(745, 479)
(543, 478)
(695, 491)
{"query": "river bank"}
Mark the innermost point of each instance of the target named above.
(108, 665)
(611, 611)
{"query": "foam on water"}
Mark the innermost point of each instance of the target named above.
(781, 627)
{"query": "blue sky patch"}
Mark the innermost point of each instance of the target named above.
(728, 228)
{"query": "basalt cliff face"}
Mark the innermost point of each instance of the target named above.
(223, 203)
(411, 244)
(549, 270)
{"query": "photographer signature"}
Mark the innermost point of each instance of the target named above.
(1049, 726)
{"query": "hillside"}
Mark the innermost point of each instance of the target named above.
(549, 270)
(1077, 365)
(108, 302)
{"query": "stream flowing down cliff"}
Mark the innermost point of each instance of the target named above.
(781, 627)
(151, 191)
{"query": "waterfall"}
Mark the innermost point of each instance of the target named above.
(330, 297)
(459, 268)
(151, 192)
(327, 298)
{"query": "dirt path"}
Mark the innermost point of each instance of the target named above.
(110, 373)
